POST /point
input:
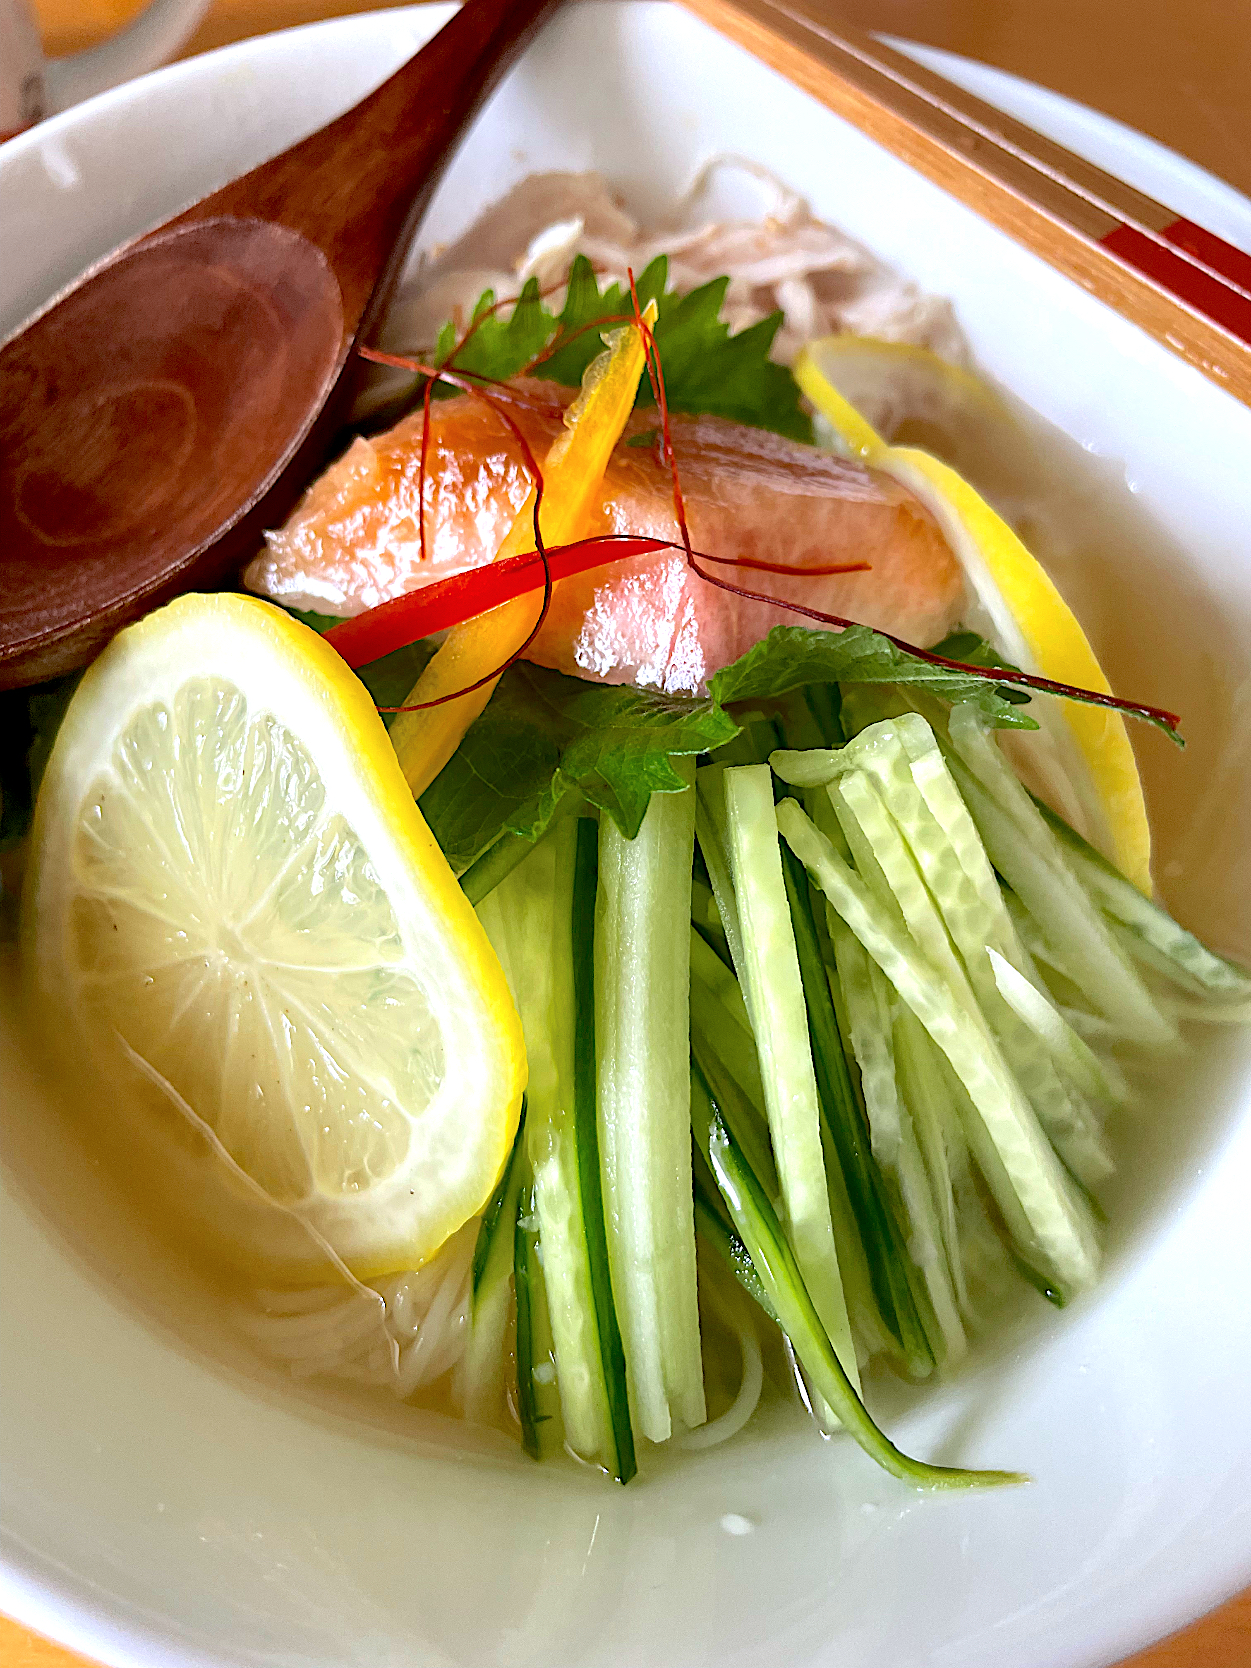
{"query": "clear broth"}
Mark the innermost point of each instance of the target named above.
(1162, 636)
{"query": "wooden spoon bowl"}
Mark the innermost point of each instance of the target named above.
(166, 409)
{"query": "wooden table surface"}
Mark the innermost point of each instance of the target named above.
(1178, 69)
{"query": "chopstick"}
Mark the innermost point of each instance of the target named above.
(1180, 283)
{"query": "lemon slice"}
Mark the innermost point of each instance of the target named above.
(1085, 764)
(236, 912)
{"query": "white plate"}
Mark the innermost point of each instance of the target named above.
(161, 1508)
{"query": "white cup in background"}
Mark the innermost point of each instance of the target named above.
(31, 88)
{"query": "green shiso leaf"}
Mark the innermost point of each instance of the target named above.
(542, 736)
(708, 371)
(791, 656)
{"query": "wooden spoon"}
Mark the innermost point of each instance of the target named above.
(156, 417)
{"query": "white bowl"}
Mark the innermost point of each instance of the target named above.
(162, 1505)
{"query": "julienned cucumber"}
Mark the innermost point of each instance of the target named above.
(492, 1267)
(715, 1228)
(880, 1081)
(1150, 928)
(845, 1123)
(1026, 853)
(761, 1233)
(870, 1005)
(642, 1041)
(1038, 1201)
(586, 1122)
(547, 952)
(538, 1401)
(775, 1000)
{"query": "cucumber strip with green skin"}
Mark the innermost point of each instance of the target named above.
(944, 1327)
(867, 995)
(484, 874)
(775, 1000)
(1186, 998)
(869, 1330)
(708, 967)
(642, 939)
(715, 1228)
(745, 1115)
(866, 992)
(736, 1045)
(924, 1091)
(531, 918)
(1034, 1193)
(1080, 941)
(1071, 1052)
(778, 1270)
(491, 1250)
(492, 1269)
(915, 907)
(842, 1118)
(1179, 952)
(874, 1334)
(538, 1400)
(1027, 853)
(912, 1352)
(710, 832)
(586, 1124)
(967, 900)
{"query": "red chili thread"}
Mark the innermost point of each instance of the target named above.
(563, 339)
(480, 316)
(469, 382)
(655, 371)
(996, 674)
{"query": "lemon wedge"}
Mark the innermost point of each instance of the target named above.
(235, 913)
(1085, 764)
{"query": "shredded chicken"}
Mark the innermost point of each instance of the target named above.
(785, 260)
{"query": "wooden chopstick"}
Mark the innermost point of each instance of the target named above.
(1183, 285)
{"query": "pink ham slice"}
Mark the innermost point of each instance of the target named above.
(353, 542)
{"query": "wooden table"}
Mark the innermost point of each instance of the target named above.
(1178, 69)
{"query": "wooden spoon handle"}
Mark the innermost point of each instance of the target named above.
(358, 187)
